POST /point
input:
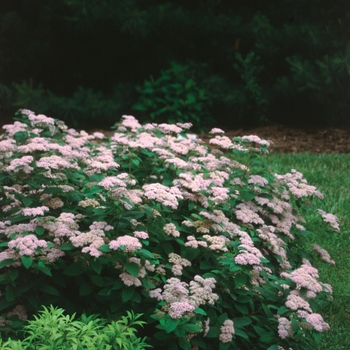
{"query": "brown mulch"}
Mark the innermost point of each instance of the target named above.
(288, 139)
(293, 140)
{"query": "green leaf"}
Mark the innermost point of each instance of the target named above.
(184, 344)
(39, 230)
(242, 308)
(267, 311)
(97, 280)
(224, 346)
(6, 262)
(73, 270)
(282, 310)
(96, 265)
(295, 325)
(240, 280)
(214, 332)
(132, 268)
(48, 289)
(200, 311)
(170, 325)
(146, 253)
(67, 246)
(242, 321)
(46, 270)
(247, 196)
(104, 248)
(273, 347)
(27, 261)
(268, 337)
(13, 274)
(27, 201)
(85, 289)
(241, 333)
(127, 293)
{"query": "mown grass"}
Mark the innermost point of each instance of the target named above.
(330, 173)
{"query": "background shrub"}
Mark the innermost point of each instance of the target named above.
(282, 62)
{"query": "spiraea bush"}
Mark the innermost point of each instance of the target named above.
(206, 241)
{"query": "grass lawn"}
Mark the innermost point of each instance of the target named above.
(330, 173)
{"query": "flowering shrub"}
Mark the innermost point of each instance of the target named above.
(206, 242)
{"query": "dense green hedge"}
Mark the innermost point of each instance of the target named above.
(284, 61)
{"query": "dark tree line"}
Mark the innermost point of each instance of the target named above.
(232, 62)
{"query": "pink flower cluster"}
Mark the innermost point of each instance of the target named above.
(130, 244)
(227, 330)
(331, 219)
(165, 195)
(27, 245)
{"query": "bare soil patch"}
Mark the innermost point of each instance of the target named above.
(295, 140)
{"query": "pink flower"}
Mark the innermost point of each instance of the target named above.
(284, 328)
(216, 131)
(130, 122)
(27, 245)
(141, 234)
(165, 195)
(131, 244)
(55, 162)
(330, 219)
(317, 322)
(323, 254)
(179, 308)
(171, 230)
(227, 331)
(129, 280)
(21, 164)
(167, 128)
(245, 258)
(39, 211)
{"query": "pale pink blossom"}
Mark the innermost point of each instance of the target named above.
(129, 280)
(256, 139)
(141, 234)
(245, 212)
(110, 181)
(223, 142)
(130, 243)
(317, 322)
(284, 328)
(257, 180)
(295, 302)
(21, 164)
(130, 122)
(39, 211)
(245, 258)
(171, 230)
(201, 291)
(179, 308)
(226, 331)
(165, 195)
(55, 162)
(168, 128)
(217, 242)
(323, 254)
(27, 245)
(331, 219)
(216, 131)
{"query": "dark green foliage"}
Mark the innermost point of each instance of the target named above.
(89, 62)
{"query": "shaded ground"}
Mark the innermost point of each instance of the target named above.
(292, 140)
(287, 139)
